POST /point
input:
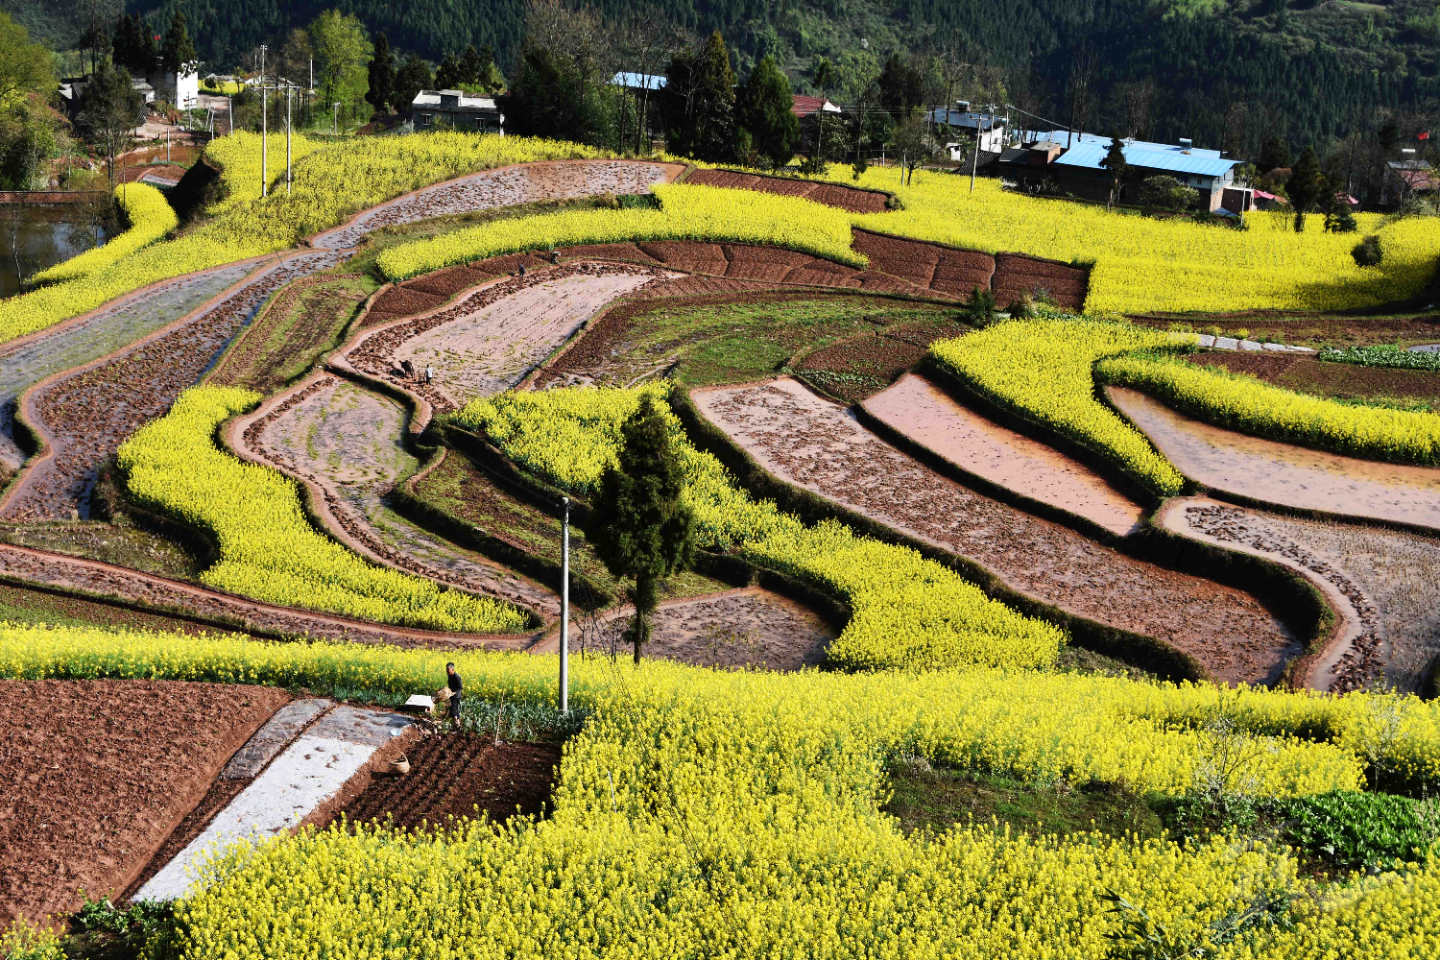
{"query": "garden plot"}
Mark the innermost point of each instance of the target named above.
(751, 628)
(820, 446)
(731, 338)
(28, 361)
(1383, 581)
(460, 775)
(1284, 474)
(505, 187)
(347, 443)
(95, 774)
(88, 577)
(857, 369)
(922, 412)
(85, 415)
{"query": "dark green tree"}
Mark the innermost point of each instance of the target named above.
(447, 75)
(548, 99)
(699, 102)
(644, 532)
(381, 75)
(149, 56)
(901, 86)
(111, 109)
(1115, 162)
(413, 77)
(1339, 219)
(764, 109)
(178, 52)
(1273, 153)
(1305, 186)
(471, 69)
(125, 46)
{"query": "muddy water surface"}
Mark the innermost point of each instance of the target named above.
(921, 411)
(1282, 473)
(820, 446)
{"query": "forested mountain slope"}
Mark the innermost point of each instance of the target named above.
(1231, 70)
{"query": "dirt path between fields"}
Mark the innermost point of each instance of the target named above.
(1282, 473)
(92, 578)
(922, 412)
(819, 445)
(1381, 581)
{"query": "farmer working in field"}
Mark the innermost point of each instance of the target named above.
(457, 688)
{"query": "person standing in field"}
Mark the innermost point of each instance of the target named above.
(429, 373)
(457, 689)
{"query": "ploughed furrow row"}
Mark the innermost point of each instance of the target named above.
(1381, 581)
(820, 446)
(25, 362)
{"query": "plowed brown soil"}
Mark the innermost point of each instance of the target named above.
(459, 775)
(1308, 375)
(94, 774)
(830, 194)
(819, 445)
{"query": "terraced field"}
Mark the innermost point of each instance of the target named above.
(849, 489)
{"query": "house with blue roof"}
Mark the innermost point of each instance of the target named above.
(1078, 170)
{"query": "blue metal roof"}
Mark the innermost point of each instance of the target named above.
(1152, 156)
(636, 81)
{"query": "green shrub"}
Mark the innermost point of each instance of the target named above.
(1354, 830)
(1367, 252)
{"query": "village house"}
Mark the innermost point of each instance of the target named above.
(456, 110)
(992, 130)
(1078, 171)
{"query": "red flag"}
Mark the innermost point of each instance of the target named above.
(1424, 136)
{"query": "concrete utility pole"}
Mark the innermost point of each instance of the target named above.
(335, 129)
(565, 607)
(264, 129)
(289, 176)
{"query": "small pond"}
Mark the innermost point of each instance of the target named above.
(33, 238)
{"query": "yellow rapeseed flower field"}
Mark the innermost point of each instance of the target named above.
(687, 213)
(738, 814)
(150, 217)
(907, 612)
(332, 183)
(268, 550)
(1041, 369)
(1143, 264)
